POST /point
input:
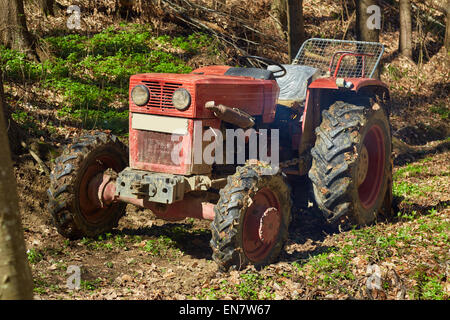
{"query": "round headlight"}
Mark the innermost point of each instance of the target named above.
(140, 95)
(181, 99)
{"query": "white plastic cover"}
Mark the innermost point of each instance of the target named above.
(294, 84)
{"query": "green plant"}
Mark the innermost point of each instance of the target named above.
(92, 73)
(252, 287)
(407, 216)
(405, 188)
(160, 246)
(26, 120)
(441, 109)
(410, 170)
(394, 72)
(427, 287)
(34, 256)
(90, 284)
(432, 289)
(248, 287)
(119, 241)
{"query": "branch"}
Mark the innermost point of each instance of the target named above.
(41, 163)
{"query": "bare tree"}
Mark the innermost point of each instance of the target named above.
(13, 28)
(125, 8)
(363, 30)
(296, 26)
(405, 43)
(447, 26)
(15, 275)
(279, 11)
(367, 26)
(444, 7)
(48, 7)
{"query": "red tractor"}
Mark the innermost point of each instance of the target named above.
(327, 119)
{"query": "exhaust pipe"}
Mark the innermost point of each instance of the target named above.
(231, 115)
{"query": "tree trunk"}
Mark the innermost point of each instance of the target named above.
(364, 19)
(444, 7)
(16, 281)
(405, 44)
(48, 7)
(368, 24)
(279, 11)
(447, 28)
(296, 28)
(125, 8)
(13, 28)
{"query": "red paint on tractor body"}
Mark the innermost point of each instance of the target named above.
(358, 83)
(151, 151)
(254, 96)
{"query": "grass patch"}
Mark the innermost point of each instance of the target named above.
(326, 268)
(406, 189)
(441, 109)
(162, 246)
(90, 285)
(410, 171)
(92, 73)
(34, 256)
(412, 239)
(249, 286)
(253, 287)
(104, 242)
(428, 287)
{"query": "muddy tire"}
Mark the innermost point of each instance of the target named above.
(73, 214)
(251, 219)
(351, 171)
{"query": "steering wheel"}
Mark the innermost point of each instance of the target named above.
(266, 62)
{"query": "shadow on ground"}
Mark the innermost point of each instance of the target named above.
(194, 242)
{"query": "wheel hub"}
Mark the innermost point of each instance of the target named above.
(372, 162)
(261, 225)
(269, 225)
(363, 165)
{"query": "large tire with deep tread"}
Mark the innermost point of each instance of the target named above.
(345, 195)
(90, 154)
(229, 226)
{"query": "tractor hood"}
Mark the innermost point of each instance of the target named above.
(250, 90)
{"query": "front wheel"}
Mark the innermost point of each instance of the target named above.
(75, 213)
(251, 218)
(351, 170)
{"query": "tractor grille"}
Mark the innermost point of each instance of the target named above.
(155, 147)
(161, 94)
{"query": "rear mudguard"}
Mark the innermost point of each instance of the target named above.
(360, 85)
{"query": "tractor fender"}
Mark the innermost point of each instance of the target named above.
(366, 86)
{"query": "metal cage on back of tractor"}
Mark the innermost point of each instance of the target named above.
(341, 58)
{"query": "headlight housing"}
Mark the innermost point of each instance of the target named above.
(140, 95)
(181, 99)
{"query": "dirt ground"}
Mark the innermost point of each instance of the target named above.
(178, 264)
(147, 258)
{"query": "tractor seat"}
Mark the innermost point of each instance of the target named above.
(294, 84)
(250, 72)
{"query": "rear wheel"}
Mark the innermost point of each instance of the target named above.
(251, 219)
(74, 211)
(351, 169)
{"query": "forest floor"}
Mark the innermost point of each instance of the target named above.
(148, 258)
